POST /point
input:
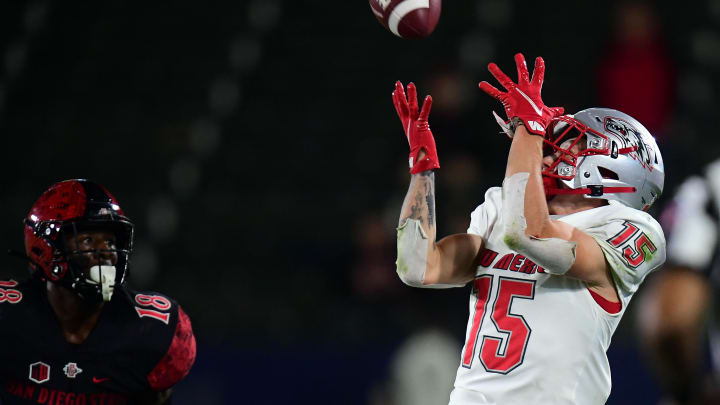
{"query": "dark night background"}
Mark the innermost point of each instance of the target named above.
(255, 146)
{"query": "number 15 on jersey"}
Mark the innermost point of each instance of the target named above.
(499, 354)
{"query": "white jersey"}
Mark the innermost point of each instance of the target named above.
(537, 338)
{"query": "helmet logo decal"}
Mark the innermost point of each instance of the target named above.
(631, 138)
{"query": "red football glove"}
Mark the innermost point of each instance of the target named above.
(522, 100)
(416, 128)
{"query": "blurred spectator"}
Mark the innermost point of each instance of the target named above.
(423, 369)
(636, 75)
(452, 93)
(373, 273)
(678, 323)
(461, 186)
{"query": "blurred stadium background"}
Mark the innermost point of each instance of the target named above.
(255, 145)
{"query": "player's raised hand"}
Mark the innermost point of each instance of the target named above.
(416, 127)
(523, 100)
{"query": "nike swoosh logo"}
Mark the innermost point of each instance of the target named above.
(537, 110)
(99, 380)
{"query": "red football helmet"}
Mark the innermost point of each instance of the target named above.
(64, 209)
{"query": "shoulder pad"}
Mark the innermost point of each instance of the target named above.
(484, 217)
(633, 244)
(153, 306)
(178, 359)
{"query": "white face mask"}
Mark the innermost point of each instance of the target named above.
(105, 276)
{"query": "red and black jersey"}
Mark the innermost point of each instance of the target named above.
(142, 342)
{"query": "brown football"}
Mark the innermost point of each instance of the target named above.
(407, 18)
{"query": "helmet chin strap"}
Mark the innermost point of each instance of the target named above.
(550, 185)
(594, 191)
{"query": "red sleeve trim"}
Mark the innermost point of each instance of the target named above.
(178, 360)
(608, 306)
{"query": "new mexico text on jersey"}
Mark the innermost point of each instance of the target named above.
(536, 338)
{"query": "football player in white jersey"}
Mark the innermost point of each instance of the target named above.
(553, 256)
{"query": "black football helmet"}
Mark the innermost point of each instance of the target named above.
(67, 208)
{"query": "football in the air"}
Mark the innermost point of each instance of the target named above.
(407, 18)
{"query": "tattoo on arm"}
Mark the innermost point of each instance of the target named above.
(430, 201)
(419, 202)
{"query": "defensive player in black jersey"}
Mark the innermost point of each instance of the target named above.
(73, 333)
